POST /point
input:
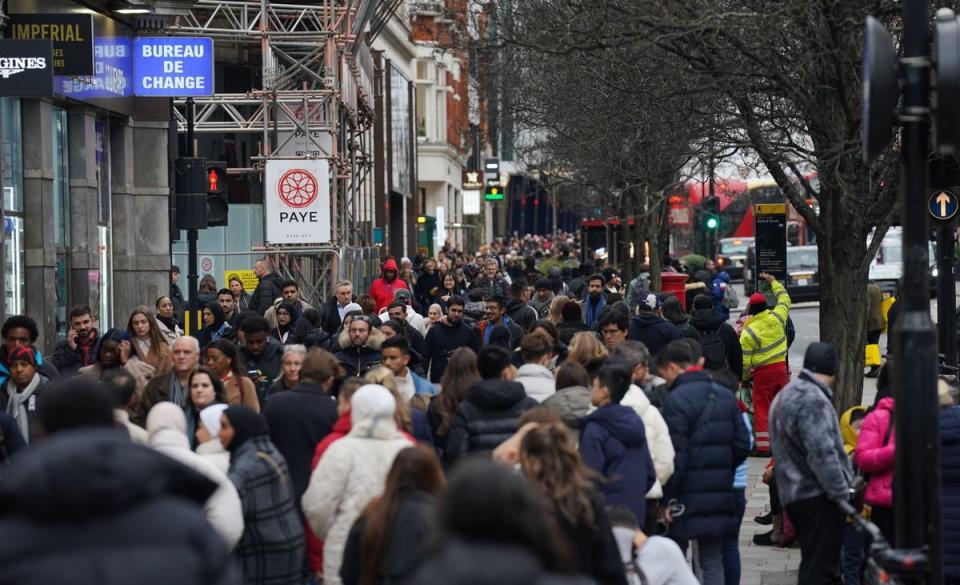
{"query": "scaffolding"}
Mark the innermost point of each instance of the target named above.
(316, 102)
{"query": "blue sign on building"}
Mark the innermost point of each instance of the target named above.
(112, 72)
(173, 66)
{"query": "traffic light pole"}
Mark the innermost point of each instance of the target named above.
(917, 485)
(191, 325)
(946, 294)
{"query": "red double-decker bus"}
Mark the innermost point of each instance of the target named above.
(736, 196)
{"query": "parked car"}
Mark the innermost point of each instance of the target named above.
(732, 256)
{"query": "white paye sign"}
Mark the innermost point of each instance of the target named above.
(297, 201)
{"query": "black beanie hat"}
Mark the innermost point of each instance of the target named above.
(543, 283)
(820, 359)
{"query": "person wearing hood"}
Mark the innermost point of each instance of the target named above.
(134, 513)
(268, 288)
(215, 325)
(710, 441)
(536, 349)
(765, 344)
(718, 339)
(361, 342)
(875, 455)
(718, 291)
(851, 422)
(398, 311)
(383, 289)
(271, 548)
(286, 316)
(812, 472)
(208, 437)
(613, 442)
(115, 349)
(518, 309)
(411, 316)
(490, 413)
(650, 328)
(22, 391)
(542, 297)
(167, 427)
(351, 472)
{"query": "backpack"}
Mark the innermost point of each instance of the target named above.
(730, 298)
(714, 352)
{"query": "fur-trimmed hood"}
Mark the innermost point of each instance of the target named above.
(374, 342)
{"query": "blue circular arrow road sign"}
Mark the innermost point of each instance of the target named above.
(943, 205)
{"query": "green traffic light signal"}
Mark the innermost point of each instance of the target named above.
(712, 223)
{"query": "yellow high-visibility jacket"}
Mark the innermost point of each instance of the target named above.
(764, 336)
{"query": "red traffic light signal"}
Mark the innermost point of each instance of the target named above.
(217, 196)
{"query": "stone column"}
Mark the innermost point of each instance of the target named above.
(40, 253)
(84, 280)
(141, 234)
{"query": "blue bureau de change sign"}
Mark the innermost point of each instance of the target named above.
(173, 66)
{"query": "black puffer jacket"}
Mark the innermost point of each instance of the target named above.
(521, 313)
(90, 507)
(655, 332)
(267, 291)
(487, 417)
(706, 321)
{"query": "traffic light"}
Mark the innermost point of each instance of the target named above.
(711, 213)
(190, 184)
(217, 204)
(492, 190)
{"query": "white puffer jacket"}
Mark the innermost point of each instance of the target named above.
(351, 472)
(658, 437)
(223, 509)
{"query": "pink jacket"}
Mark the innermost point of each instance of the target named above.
(876, 458)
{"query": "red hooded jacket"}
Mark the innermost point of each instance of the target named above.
(381, 290)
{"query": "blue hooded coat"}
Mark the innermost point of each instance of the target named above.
(613, 441)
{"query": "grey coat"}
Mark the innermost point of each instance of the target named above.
(272, 546)
(806, 443)
(571, 404)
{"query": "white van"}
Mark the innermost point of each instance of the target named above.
(886, 268)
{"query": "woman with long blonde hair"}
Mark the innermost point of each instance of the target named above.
(555, 314)
(549, 459)
(587, 350)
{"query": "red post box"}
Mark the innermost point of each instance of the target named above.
(674, 283)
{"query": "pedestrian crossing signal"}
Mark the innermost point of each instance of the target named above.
(493, 193)
(217, 196)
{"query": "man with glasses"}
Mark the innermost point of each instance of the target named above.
(613, 327)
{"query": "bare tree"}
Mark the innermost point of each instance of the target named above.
(783, 79)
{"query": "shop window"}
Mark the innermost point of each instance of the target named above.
(13, 257)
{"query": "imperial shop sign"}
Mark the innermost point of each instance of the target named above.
(297, 201)
(72, 36)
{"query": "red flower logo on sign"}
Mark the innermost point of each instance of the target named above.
(297, 188)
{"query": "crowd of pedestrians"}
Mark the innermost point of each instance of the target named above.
(465, 420)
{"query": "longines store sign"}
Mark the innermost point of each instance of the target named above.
(26, 68)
